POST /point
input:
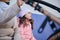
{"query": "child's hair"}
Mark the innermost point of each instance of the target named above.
(22, 20)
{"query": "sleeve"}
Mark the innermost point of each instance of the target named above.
(9, 14)
(17, 35)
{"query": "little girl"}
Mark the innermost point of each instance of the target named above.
(26, 25)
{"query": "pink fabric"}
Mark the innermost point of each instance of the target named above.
(26, 32)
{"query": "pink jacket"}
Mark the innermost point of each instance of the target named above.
(26, 32)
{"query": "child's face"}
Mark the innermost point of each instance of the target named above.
(28, 15)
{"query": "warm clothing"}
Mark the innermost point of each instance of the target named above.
(26, 32)
(8, 23)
